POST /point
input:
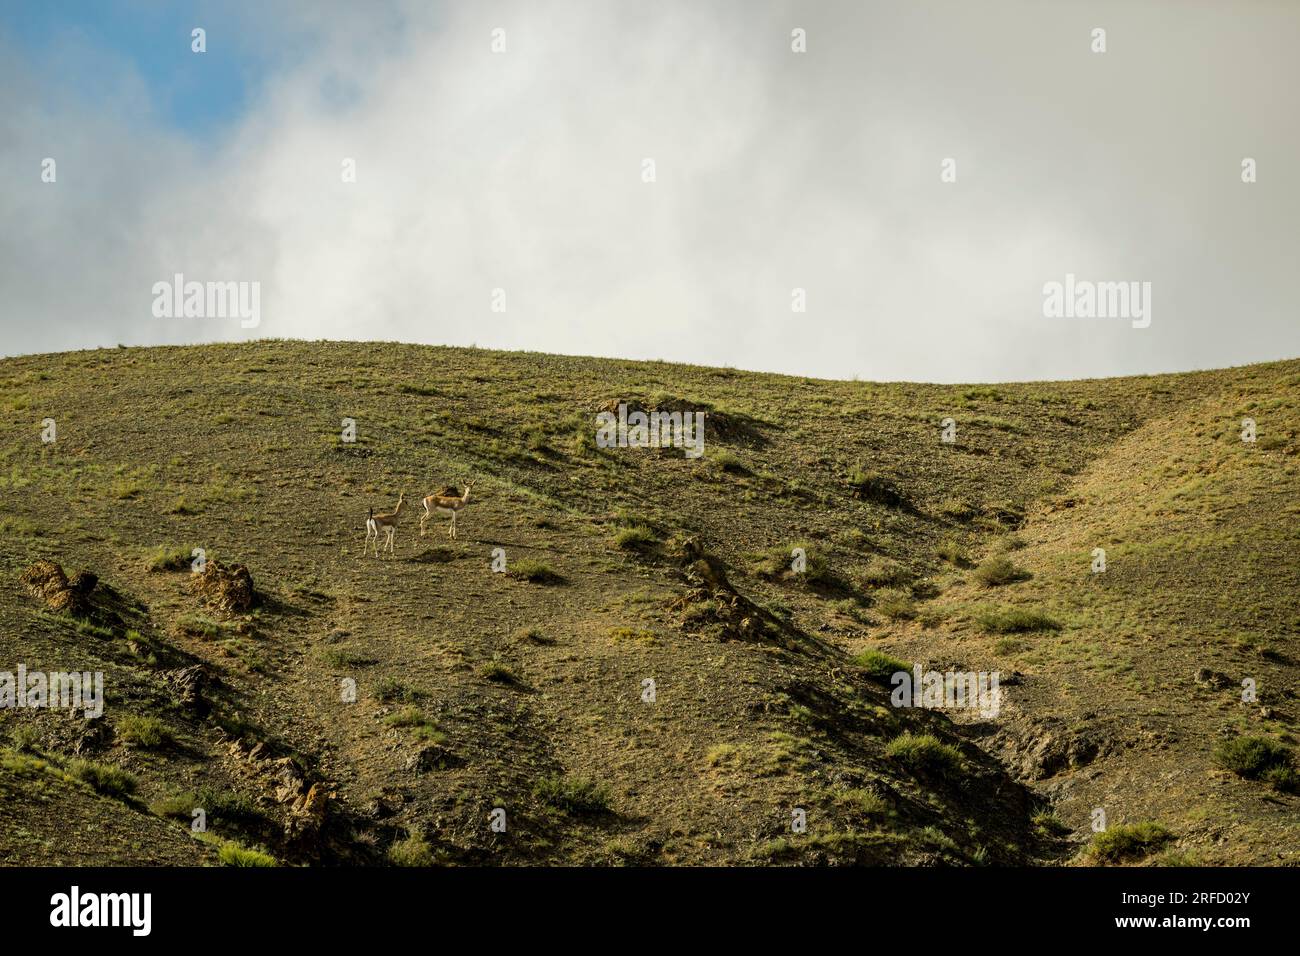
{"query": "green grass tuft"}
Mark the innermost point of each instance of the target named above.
(1015, 621)
(143, 731)
(1253, 757)
(998, 571)
(879, 665)
(536, 572)
(103, 778)
(924, 753)
(1128, 842)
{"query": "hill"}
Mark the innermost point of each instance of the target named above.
(483, 695)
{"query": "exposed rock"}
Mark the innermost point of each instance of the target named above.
(187, 685)
(307, 814)
(46, 582)
(68, 601)
(306, 802)
(228, 589)
(83, 582)
(730, 613)
(44, 578)
(1038, 750)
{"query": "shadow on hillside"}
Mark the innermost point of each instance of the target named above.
(433, 556)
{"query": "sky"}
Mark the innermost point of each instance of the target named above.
(888, 202)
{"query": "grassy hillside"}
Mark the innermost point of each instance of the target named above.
(525, 690)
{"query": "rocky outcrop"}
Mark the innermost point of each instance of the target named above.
(305, 802)
(229, 589)
(713, 601)
(187, 685)
(45, 581)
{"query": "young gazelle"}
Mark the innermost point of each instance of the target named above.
(443, 502)
(386, 521)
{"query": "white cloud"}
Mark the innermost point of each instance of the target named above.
(774, 170)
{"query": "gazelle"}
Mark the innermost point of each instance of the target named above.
(386, 521)
(444, 502)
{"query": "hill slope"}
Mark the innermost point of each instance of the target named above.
(526, 690)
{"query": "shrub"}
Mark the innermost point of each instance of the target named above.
(998, 571)
(729, 463)
(879, 665)
(885, 573)
(632, 635)
(345, 658)
(723, 755)
(178, 806)
(1128, 841)
(93, 630)
(24, 738)
(867, 802)
(533, 635)
(870, 485)
(389, 690)
(852, 607)
(169, 558)
(536, 572)
(406, 717)
(1015, 621)
(143, 731)
(639, 537)
(1252, 757)
(574, 794)
(957, 509)
(895, 605)
(498, 673)
(413, 719)
(856, 538)
(232, 854)
(778, 563)
(924, 753)
(412, 851)
(954, 554)
(226, 805)
(1050, 824)
(103, 778)
(1283, 778)
(199, 625)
